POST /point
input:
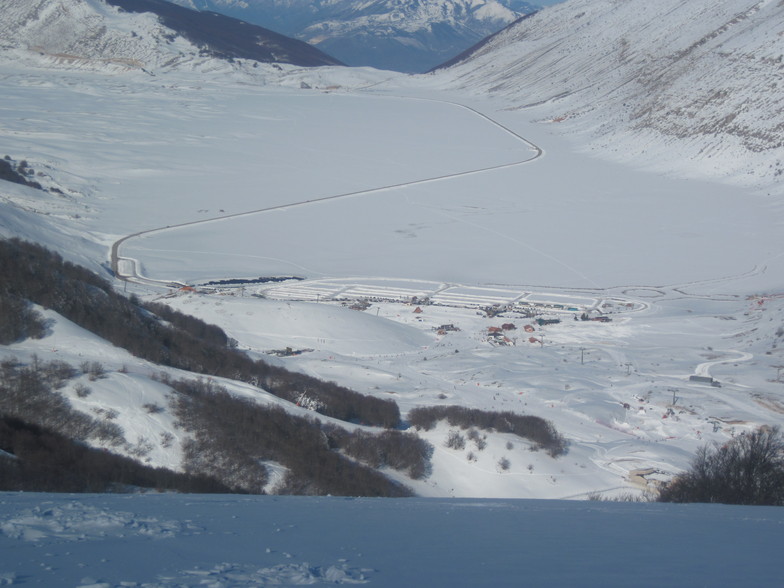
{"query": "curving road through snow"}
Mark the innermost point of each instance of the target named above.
(126, 268)
(704, 368)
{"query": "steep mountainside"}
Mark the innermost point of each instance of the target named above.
(408, 35)
(694, 81)
(146, 34)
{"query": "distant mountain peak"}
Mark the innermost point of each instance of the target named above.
(404, 35)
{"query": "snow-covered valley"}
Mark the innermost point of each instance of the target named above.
(405, 194)
(465, 238)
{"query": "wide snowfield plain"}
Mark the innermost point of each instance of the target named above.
(385, 188)
(168, 541)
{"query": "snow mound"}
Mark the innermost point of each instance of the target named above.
(295, 574)
(76, 521)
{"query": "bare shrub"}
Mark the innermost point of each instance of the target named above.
(167, 439)
(504, 464)
(142, 448)
(82, 391)
(57, 373)
(540, 432)
(623, 497)
(108, 432)
(479, 440)
(455, 440)
(749, 469)
(96, 371)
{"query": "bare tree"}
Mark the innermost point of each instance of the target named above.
(749, 469)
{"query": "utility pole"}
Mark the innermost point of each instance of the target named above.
(582, 355)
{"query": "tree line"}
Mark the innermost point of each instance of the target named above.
(162, 335)
(540, 432)
(44, 443)
(43, 440)
(748, 469)
(38, 459)
(232, 438)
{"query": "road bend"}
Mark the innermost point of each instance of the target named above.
(125, 268)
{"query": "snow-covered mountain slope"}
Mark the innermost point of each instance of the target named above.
(408, 35)
(693, 84)
(140, 34)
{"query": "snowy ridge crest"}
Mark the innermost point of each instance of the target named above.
(141, 34)
(90, 34)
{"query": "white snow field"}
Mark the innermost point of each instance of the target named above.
(163, 541)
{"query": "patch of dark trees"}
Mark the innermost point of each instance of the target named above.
(44, 440)
(18, 173)
(18, 319)
(233, 437)
(540, 432)
(44, 443)
(400, 451)
(748, 469)
(259, 280)
(229, 38)
(37, 459)
(164, 336)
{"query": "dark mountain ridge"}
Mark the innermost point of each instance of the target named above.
(227, 37)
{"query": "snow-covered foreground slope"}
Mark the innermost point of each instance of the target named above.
(670, 84)
(170, 540)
